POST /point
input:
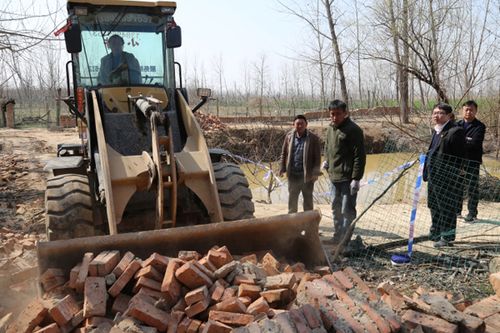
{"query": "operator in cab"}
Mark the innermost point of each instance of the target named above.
(119, 67)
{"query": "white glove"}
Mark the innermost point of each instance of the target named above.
(325, 165)
(354, 186)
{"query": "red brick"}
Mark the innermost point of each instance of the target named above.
(52, 278)
(299, 320)
(277, 295)
(245, 300)
(120, 303)
(193, 326)
(243, 279)
(52, 328)
(170, 284)
(148, 283)
(205, 262)
(153, 293)
(484, 308)
(232, 304)
(96, 321)
(216, 291)
(123, 263)
(32, 315)
(174, 320)
(394, 300)
(492, 323)
(412, 319)
(382, 325)
(224, 270)
(73, 323)
(372, 296)
(204, 269)
(312, 316)
(495, 282)
(230, 318)
(270, 264)
(124, 278)
(73, 275)
(180, 305)
(258, 306)
(280, 281)
(229, 293)
(64, 310)
(251, 258)
(149, 272)
(184, 325)
(196, 295)
(196, 308)
(104, 263)
(95, 297)
(345, 314)
(216, 327)
(219, 257)
(84, 271)
(343, 279)
(158, 261)
(141, 307)
(249, 290)
(188, 255)
(190, 276)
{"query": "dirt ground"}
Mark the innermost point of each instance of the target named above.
(23, 154)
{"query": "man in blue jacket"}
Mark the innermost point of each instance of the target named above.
(119, 67)
(474, 137)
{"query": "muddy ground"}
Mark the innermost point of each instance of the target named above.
(23, 154)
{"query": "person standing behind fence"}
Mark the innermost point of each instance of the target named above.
(345, 161)
(474, 137)
(300, 160)
(442, 172)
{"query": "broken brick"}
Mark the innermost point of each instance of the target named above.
(149, 272)
(148, 283)
(32, 315)
(230, 318)
(216, 327)
(260, 305)
(120, 303)
(104, 263)
(64, 310)
(277, 295)
(170, 284)
(216, 291)
(141, 307)
(95, 297)
(190, 276)
(249, 290)
(280, 281)
(123, 263)
(84, 271)
(124, 278)
(232, 304)
(52, 278)
(158, 261)
(196, 308)
(270, 264)
(52, 328)
(196, 295)
(434, 324)
(219, 257)
(188, 255)
(73, 275)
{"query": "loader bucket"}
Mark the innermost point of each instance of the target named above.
(293, 237)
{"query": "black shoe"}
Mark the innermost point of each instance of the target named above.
(442, 243)
(470, 219)
(434, 237)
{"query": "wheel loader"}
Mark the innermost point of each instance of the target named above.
(143, 178)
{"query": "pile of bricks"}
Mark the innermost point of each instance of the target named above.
(438, 311)
(209, 122)
(219, 292)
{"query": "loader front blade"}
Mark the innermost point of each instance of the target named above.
(292, 236)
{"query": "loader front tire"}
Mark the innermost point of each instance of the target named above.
(68, 207)
(234, 194)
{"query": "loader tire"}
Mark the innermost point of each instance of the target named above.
(69, 209)
(234, 194)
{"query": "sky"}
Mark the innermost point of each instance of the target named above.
(238, 31)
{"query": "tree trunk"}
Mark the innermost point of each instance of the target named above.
(336, 50)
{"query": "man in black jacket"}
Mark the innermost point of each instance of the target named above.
(442, 171)
(474, 137)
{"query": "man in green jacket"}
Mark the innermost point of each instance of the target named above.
(345, 160)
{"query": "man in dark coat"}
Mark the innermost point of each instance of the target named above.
(119, 67)
(300, 160)
(442, 171)
(474, 137)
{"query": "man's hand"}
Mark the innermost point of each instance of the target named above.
(325, 165)
(354, 186)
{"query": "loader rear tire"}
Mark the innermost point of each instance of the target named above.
(234, 194)
(69, 206)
